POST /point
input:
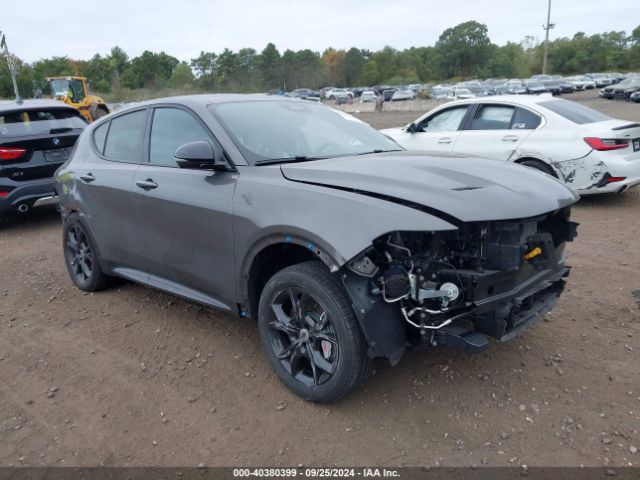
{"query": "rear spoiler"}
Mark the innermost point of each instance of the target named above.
(624, 127)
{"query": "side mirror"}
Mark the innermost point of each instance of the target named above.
(411, 128)
(198, 155)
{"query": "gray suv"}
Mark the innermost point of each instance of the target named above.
(340, 244)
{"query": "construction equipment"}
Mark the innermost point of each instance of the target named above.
(73, 92)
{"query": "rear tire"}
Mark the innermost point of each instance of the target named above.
(310, 334)
(538, 165)
(81, 257)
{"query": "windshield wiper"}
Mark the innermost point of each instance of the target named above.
(297, 158)
(378, 150)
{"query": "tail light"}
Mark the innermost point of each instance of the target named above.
(604, 144)
(11, 153)
(4, 194)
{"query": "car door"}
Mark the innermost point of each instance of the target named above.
(104, 187)
(496, 131)
(437, 132)
(184, 216)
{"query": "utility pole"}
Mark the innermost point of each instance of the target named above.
(547, 27)
(12, 65)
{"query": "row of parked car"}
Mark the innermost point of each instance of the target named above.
(554, 84)
(627, 89)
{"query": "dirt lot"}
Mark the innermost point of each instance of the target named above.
(132, 376)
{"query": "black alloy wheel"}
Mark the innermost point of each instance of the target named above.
(81, 257)
(79, 254)
(302, 336)
(310, 334)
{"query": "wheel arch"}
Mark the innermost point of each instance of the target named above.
(272, 254)
(520, 160)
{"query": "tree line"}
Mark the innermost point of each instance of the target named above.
(461, 52)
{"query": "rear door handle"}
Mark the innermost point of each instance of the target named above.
(444, 140)
(147, 184)
(509, 138)
(87, 177)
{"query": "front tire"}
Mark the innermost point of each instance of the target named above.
(310, 334)
(81, 257)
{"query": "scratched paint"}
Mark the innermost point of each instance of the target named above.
(580, 174)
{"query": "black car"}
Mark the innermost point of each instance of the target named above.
(565, 86)
(36, 137)
(342, 246)
(624, 89)
(552, 87)
(388, 94)
(305, 94)
(608, 92)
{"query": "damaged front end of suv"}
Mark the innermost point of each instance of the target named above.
(455, 288)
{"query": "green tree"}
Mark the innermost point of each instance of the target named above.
(464, 49)
(182, 76)
(386, 61)
(270, 67)
(353, 66)
(205, 67)
(149, 70)
(25, 79)
(371, 73)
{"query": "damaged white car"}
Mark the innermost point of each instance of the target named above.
(588, 150)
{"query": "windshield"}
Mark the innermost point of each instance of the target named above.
(37, 122)
(71, 88)
(293, 130)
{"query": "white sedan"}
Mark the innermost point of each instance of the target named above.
(589, 151)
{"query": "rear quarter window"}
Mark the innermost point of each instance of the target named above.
(100, 135)
(525, 120)
(19, 123)
(124, 142)
(574, 112)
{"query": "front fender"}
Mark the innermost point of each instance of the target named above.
(335, 225)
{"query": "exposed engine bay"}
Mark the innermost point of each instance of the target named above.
(495, 277)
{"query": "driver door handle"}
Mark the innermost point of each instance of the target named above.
(509, 138)
(444, 140)
(147, 184)
(87, 177)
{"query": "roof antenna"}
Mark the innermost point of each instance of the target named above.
(12, 66)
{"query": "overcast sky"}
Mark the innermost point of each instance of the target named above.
(78, 29)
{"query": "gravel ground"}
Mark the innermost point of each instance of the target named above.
(132, 376)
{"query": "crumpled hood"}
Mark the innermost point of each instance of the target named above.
(467, 188)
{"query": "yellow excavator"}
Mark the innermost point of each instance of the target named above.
(73, 91)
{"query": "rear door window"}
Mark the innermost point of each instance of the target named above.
(18, 123)
(574, 112)
(124, 142)
(492, 117)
